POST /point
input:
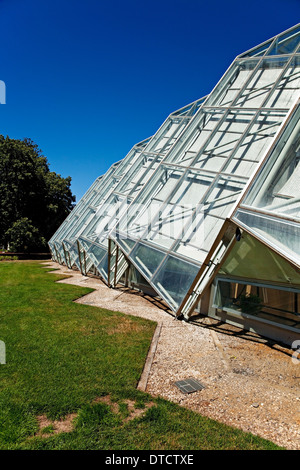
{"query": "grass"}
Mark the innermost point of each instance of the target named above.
(66, 358)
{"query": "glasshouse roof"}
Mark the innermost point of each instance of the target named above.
(176, 206)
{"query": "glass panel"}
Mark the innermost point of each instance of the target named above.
(198, 236)
(254, 143)
(276, 189)
(287, 90)
(72, 217)
(261, 83)
(137, 280)
(59, 250)
(266, 303)
(103, 267)
(72, 253)
(146, 171)
(222, 196)
(259, 50)
(251, 259)
(93, 251)
(155, 193)
(286, 43)
(78, 224)
(236, 77)
(172, 218)
(102, 220)
(85, 244)
(174, 279)
(147, 259)
(52, 250)
(224, 140)
(95, 254)
(208, 217)
(125, 243)
(169, 137)
(282, 235)
(135, 175)
(194, 138)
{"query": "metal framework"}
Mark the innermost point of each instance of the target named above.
(174, 208)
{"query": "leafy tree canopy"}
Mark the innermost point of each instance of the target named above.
(34, 201)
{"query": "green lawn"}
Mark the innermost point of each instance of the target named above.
(63, 357)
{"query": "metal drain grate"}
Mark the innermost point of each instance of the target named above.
(189, 385)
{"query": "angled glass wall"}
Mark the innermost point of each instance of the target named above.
(65, 239)
(256, 283)
(72, 218)
(79, 215)
(285, 43)
(172, 223)
(171, 206)
(92, 240)
(271, 207)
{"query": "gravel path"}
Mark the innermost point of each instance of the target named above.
(250, 383)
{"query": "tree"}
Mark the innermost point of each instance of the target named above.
(24, 237)
(33, 200)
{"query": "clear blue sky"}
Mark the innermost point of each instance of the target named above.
(88, 79)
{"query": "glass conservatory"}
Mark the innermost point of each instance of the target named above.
(205, 214)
